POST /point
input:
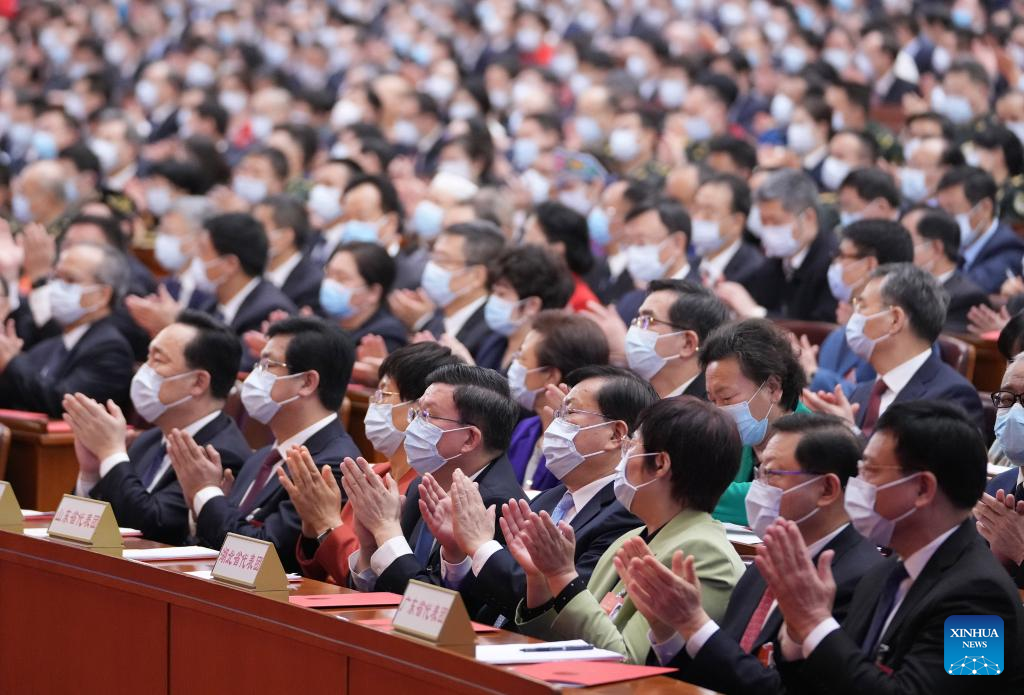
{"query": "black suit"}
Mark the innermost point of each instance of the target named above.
(745, 264)
(961, 578)
(897, 90)
(384, 324)
(1001, 252)
(964, 293)
(99, 365)
(254, 310)
(607, 288)
(804, 294)
(502, 582)
(629, 306)
(274, 519)
(497, 485)
(302, 285)
(409, 268)
(934, 380)
(476, 335)
(162, 514)
(697, 388)
(722, 666)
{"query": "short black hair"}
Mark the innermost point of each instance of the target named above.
(241, 235)
(741, 152)
(533, 271)
(214, 349)
(695, 309)
(322, 347)
(82, 157)
(871, 183)
(374, 263)
(482, 241)
(278, 162)
(762, 350)
(722, 87)
(885, 240)
(109, 227)
(210, 109)
(739, 198)
(918, 293)
(670, 211)
(570, 341)
(939, 224)
(290, 213)
(184, 174)
(622, 395)
(483, 400)
(389, 200)
(977, 183)
(1002, 138)
(560, 223)
(702, 443)
(938, 437)
(827, 445)
(409, 365)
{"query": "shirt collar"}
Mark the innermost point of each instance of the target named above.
(714, 268)
(972, 251)
(193, 429)
(682, 273)
(617, 263)
(332, 236)
(71, 338)
(944, 277)
(915, 564)
(279, 275)
(581, 498)
(454, 323)
(898, 377)
(815, 157)
(799, 257)
(117, 182)
(678, 391)
(884, 83)
(302, 437)
(815, 548)
(230, 309)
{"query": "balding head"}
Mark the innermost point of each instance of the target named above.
(42, 184)
(272, 102)
(102, 274)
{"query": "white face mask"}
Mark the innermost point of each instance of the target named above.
(833, 172)
(256, 397)
(779, 241)
(860, 506)
(706, 236)
(764, 501)
(380, 428)
(517, 383)
(66, 301)
(644, 261)
(861, 345)
(642, 351)
(624, 490)
(145, 393)
(559, 446)
(421, 440)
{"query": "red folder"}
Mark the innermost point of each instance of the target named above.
(352, 600)
(589, 673)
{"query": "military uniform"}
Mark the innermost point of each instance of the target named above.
(888, 146)
(1010, 202)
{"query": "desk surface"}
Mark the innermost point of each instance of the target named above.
(169, 632)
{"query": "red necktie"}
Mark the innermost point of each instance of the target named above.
(260, 481)
(757, 620)
(874, 405)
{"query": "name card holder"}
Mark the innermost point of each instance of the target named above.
(251, 564)
(10, 511)
(88, 522)
(435, 614)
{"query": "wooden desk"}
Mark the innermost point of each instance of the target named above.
(42, 467)
(109, 625)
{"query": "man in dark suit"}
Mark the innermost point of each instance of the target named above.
(899, 314)
(288, 268)
(191, 368)
(810, 458)
(463, 423)
(880, 48)
(604, 403)
(90, 355)
(657, 234)
(296, 390)
(158, 93)
(988, 247)
(664, 343)
(720, 210)
(793, 282)
(233, 252)
(923, 471)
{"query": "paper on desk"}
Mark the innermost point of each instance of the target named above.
(208, 574)
(741, 534)
(385, 624)
(188, 552)
(515, 654)
(589, 674)
(33, 514)
(125, 532)
(351, 600)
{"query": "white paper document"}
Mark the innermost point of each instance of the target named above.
(125, 533)
(32, 513)
(539, 652)
(741, 534)
(208, 574)
(188, 552)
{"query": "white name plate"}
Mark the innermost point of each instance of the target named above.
(10, 511)
(433, 613)
(87, 521)
(250, 563)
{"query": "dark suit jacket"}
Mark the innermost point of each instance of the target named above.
(962, 578)
(264, 299)
(162, 515)
(164, 129)
(607, 288)
(805, 295)
(498, 485)
(1004, 481)
(745, 264)
(629, 306)
(1001, 252)
(384, 324)
(697, 388)
(197, 300)
(99, 365)
(897, 90)
(274, 518)
(502, 582)
(485, 345)
(934, 380)
(409, 268)
(964, 293)
(835, 361)
(722, 666)
(302, 285)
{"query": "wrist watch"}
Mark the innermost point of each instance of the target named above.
(323, 536)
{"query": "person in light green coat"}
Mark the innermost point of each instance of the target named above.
(752, 373)
(683, 456)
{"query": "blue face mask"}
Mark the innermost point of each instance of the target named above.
(427, 219)
(357, 230)
(1010, 432)
(437, 283)
(598, 226)
(336, 299)
(44, 145)
(498, 314)
(169, 255)
(752, 430)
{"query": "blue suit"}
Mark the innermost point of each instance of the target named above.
(835, 361)
(1004, 481)
(1001, 252)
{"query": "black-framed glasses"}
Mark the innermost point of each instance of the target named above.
(1006, 399)
(425, 414)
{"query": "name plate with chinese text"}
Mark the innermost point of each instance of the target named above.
(87, 521)
(10, 511)
(250, 564)
(434, 613)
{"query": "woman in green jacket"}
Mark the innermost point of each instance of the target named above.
(684, 455)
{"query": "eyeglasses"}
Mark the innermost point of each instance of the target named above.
(1006, 399)
(765, 474)
(644, 322)
(863, 466)
(380, 394)
(858, 305)
(564, 411)
(266, 363)
(427, 417)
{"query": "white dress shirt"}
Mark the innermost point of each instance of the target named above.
(279, 275)
(71, 338)
(230, 309)
(454, 323)
(897, 378)
(714, 268)
(678, 391)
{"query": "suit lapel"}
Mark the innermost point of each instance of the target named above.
(316, 445)
(918, 383)
(591, 509)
